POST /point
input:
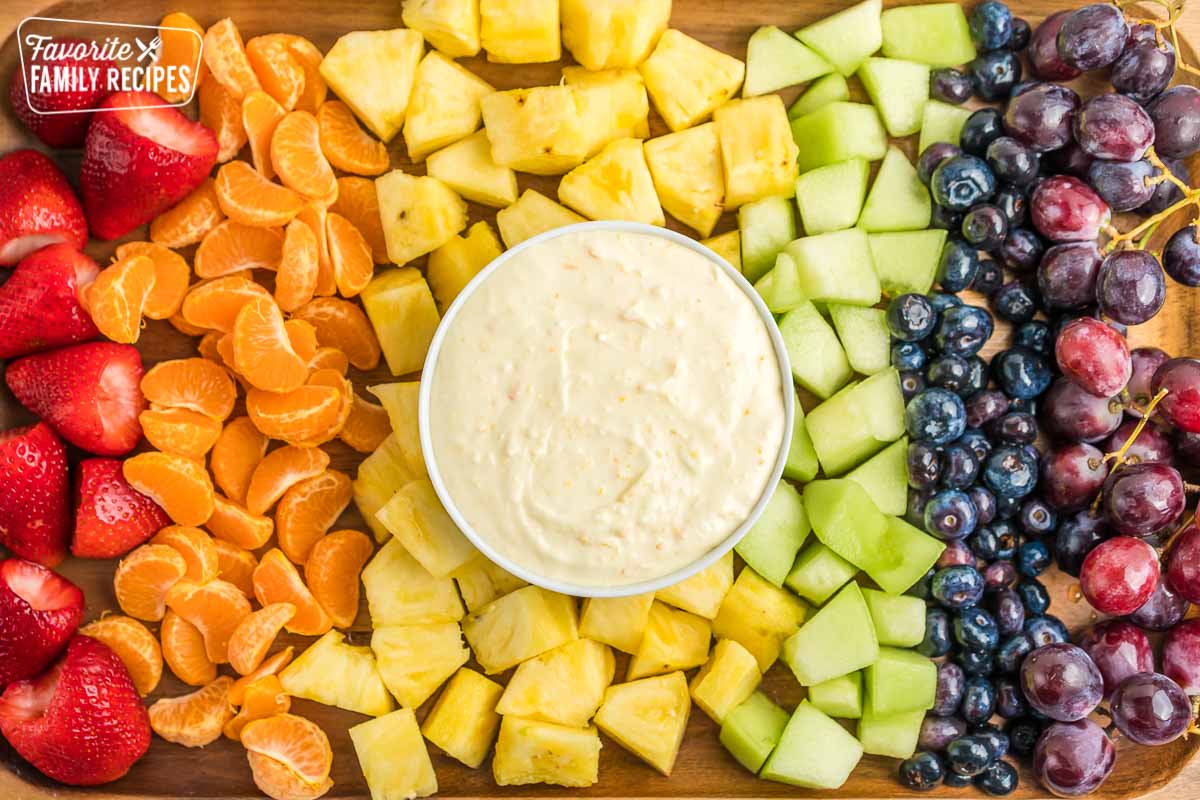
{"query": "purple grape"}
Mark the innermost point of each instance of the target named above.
(1022, 250)
(1061, 681)
(1010, 612)
(1181, 655)
(1093, 356)
(933, 155)
(1183, 564)
(1092, 37)
(1076, 537)
(1176, 115)
(937, 732)
(983, 407)
(1124, 185)
(1118, 650)
(1076, 414)
(1114, 127)
(1151, 709)
(1181, 406)
(1181, 256)
(1144, 69)
(1067, 275)
(1042, 117)
(1187, 447)
(1131, 287)
(1072, 475)
(1073, 758)
(1146, 361)
(956, 553)
(950, 85)
(951, 680)
(1163, 610)
(1151, 446)
(1012, 161)
(1142, 499)
(1065, 209)
(1044, 60)
(1070, 160)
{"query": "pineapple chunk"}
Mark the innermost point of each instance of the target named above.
(621, 109)
(730, 676)
(564, 685)
(613, 33)
(687, 79)
(419, 214)
(520, 31)
(702, 593)
(759, 615)
(615, 184)
(618, 621)
(393, 757)
(400, 401)
(463, 721)
(415, 660)
(648, 718)
(529, 751)
(686, 168)
(757, 150)
(444, 106)
(451, 26)
(538, 130)
(335, 673)
(532, 214)
(728, 246)
(416, 517)
(380, 475)
(401, 309)
(467, 167)
(372, 72)
(520, 626)
(484, 582)
(674, 640)
(401, 592)
(453, 265)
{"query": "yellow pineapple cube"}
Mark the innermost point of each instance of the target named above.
(674, 640)
(759, 615)
(380, 475)
(648, 718)
(702, 593)
(613, 33)
(687, 79)
(533, 213)
(467, 167)
(463, 722)
(624, 100)
(401, 309)
(419, 214)
(757, 150)
(618, 621)
(414, 660)
(728, 246)
(520, 626)
(400, 401)
(484, 582)
(686, 168)
(730, 676)
(416, 517)
(454, 264)
(401, 592)
(373, 72)
(614, 184)
(529, 751)
(564, 685)
(520, 31)
(444, 106)
(393, 757)
(451, 26)
(335, 673)
(538, 130)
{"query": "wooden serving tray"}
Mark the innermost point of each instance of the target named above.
(703, 769)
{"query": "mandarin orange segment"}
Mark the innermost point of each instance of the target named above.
(221, 112)
(297, 158)
(276, 781)
(180, 38)
(309, 57)
(260, 115)
(183, 326)
(207, 347)
(251, 199)
(347, 146)
(226, 58)
(308, 510)
(332, 572)
(277, 581)
(262, 351)
(236, 454)
(358, 202)
(303, 338)
(236, 565)
(180, 485)
(143, 578)
(215, 608)
(334, 379)
(171, 276)
(278, 70)
(190, 219)
(214, 305)
(282, 469)
(232, 247)
(295, 417)
(196, 384)
(313, 215)
(236, 525)
(366, 427)
(329, 358)
(353, 265)
(343, 325)
(296, 279)
(295, 742)
(134, 644)
(183, 650)
(262, 698)
(195, 546)
(179, 431)
(255, 634)
(195, 719)
(116, 299)
(273, 665)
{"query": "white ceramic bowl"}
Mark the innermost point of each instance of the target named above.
(640, 587)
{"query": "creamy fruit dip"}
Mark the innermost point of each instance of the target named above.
(606, 407)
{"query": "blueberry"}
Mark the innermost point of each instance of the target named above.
(958, 266)
(908, 355)
(912, 383)
(957, 587)
(963, 330)
(950, 514)
(1027, 405)
(936, 416)
(924, 465)
(959, 469)
(989, 278)
(1022, 250)
(1034, 596)
(975, 627)
(921, 772)
(1015, 428)
(942, 301)
(1007, 507)
(1045, 630)
(984, 407)
(1014, 302)
(1012, 652)
(981, 129)
(1022, 373)
(1037, 518)
(976, 661)
(991, 25)
(955, 781)
(977, 376)
(1021, 32)
(1010, 699)
(949, 372)
(985, 227)
(950, 682)
(945, 219)
(967, 755)
(998, 779)
(997, 740)
(985, 503)
(979, 700)
(994, 542)
(1012, 161)
(910, 317)
(1010, 472)
(937, 634)
(1034, 334)
(933, 155)
(1033, 557)
(1010, 613)
(961, 182)
(914, 513)
(1014, 205)
(980, 446)
(995, 73)
(1023, 734)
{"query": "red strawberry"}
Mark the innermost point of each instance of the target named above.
(138, 162)
(39, 304)
(39, 612)
(81, 722)
(35, 520)
(90, 393)
(60, 129)
(112, 517)
(37, 207)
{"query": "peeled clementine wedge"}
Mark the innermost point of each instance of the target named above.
(343, 325)
(347, 146)
(329, 358)
(225, 56)
(195, 546)
(143, 578)
(264, 697)
(262, 351)
(273, 665)
(116, 299)
(260, 114)
(221, 112)
(297, 158)
(336, 380)
(357, 202)
(251, 199)
(278, 70)
(236, 453)
(196, 719)
(190, 219)
(183, 650)
(275, 780)
(255, 634)
(309, 509)
(180, 38)
(171, 276)
(196, 384)
(277, 581)
(303, 338)
(215, 608)
(279, 471)
(313, 215)
(332, 572)
(309, 57)
(180, 485)
(297, 416)
(236, 525)
(296, 279)
(134, 644)
(180, 431)
(295, 742)
(236, 565)
(353, 266)
(215, 304)
(366, 427)
(232, 247)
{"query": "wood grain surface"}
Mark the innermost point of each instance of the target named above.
(703, 769)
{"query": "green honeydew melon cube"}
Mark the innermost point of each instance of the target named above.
(818, 573)
(838, 639)
(846, 38)
(906, 261)
(801, 462)
(898, 200)
(839, 131)
(752, 730)
(766, 226)
(839, 697)
(885, 477)
(770, 547)
(830, 198)
(815, 752)
(780, 288)
(904, 555)
(941, 122)
(899, 90)
(900, 680)
(936, 34)
(824, 90)
(864, 334)
(857, 422)
(775, 60)
(893, 735)
(899, 618)
(818, 362)
(845, 520)
(836, 268)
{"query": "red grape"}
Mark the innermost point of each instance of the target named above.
(1183, 564)
(1181, 406)
(1118, 650)
(1041, 116)
(1181, 655)
(1151, 709)
(1131, 288)
(1079, 415)
(1114, 128)
(1067, 275)
(1094, 356)
(1044, 61)
(1150, 447)
(1072, 476)
(1061, 681)
(1065, 209)
(1163, 610)
(1119, 576)
(1142, 499)
(1145, 361)
(1073, 758)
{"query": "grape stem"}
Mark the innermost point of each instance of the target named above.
(1118, 456)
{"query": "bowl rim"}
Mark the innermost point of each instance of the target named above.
(710, 556)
